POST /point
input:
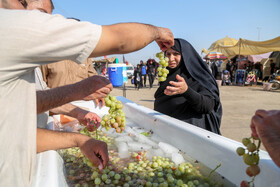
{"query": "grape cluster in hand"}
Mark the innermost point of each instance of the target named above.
(162, 71)
(251, 158)
(116, 117)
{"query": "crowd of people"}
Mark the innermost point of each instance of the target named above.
(143, 71)
(31, 38)
(246, 73)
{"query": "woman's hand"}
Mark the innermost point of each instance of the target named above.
(179, 87)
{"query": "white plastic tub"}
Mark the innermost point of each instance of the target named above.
(202, 145)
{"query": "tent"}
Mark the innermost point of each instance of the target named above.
(258, 58)
(227, 41)
(247, 47)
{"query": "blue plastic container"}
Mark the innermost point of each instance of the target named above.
(124, 73)
(115, 72)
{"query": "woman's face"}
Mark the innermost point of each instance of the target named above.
(174, 58)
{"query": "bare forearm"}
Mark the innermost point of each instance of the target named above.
(69, 110)
(94, 86)
(124, 38)
(54, 140)
(52, 98)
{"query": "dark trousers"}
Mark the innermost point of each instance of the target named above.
(137, 85)
(144, 79)
(151, 79)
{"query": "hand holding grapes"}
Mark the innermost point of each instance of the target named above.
(90, 120)
(96, 151)
(266, 126)
(179, 87)
(165, 38)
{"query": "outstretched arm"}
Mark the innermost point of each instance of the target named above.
(95, 150)
(128, 37)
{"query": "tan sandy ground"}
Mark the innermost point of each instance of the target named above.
(239, 104)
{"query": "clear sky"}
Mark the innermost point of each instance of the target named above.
(201, 22)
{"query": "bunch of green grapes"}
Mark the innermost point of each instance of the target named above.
(162, 71)
(116, 117)
(251, 158)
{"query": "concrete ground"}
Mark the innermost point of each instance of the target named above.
(239, 104)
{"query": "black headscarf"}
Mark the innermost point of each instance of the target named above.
(193, 67)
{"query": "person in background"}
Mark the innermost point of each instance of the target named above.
(190, 92)
(229, 68)
(137, 77)
(272, 67)
(265, 125)
(144, 73)
(209, 65)
(214, 69)
(151, 71)
(19, 58)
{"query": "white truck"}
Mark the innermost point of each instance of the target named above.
(129, 70)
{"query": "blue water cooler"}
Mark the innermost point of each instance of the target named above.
(115, 72)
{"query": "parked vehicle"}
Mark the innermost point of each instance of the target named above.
(129, 71)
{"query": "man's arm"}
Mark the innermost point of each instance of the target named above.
(87, 89)
(128, 37)
(95, 150)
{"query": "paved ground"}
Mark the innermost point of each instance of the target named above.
(239, 104)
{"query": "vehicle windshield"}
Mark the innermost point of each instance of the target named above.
(129, 68)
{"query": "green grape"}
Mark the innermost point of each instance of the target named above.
(162, 79)
(103, 123)
(94, 175)
(248, 159)
(148, 184)
(157, 55)
(97, 181)
(170, 179)
(162, 62)
(104, 177)
(155, 184)
(251, 147)
(125, 185)
(117, 176)
(161, 180)
(111, 173)
(160, 174)
(164, 75)
(166, 59)
(127, 178)
(159, 69)
(246, 141)
(179, 182)
(240, 151)
(160, 73)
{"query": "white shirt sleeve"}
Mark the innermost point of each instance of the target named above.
(31, 38)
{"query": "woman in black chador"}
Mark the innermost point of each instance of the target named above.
(190, 92)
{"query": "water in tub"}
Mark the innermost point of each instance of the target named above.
(138, 158)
